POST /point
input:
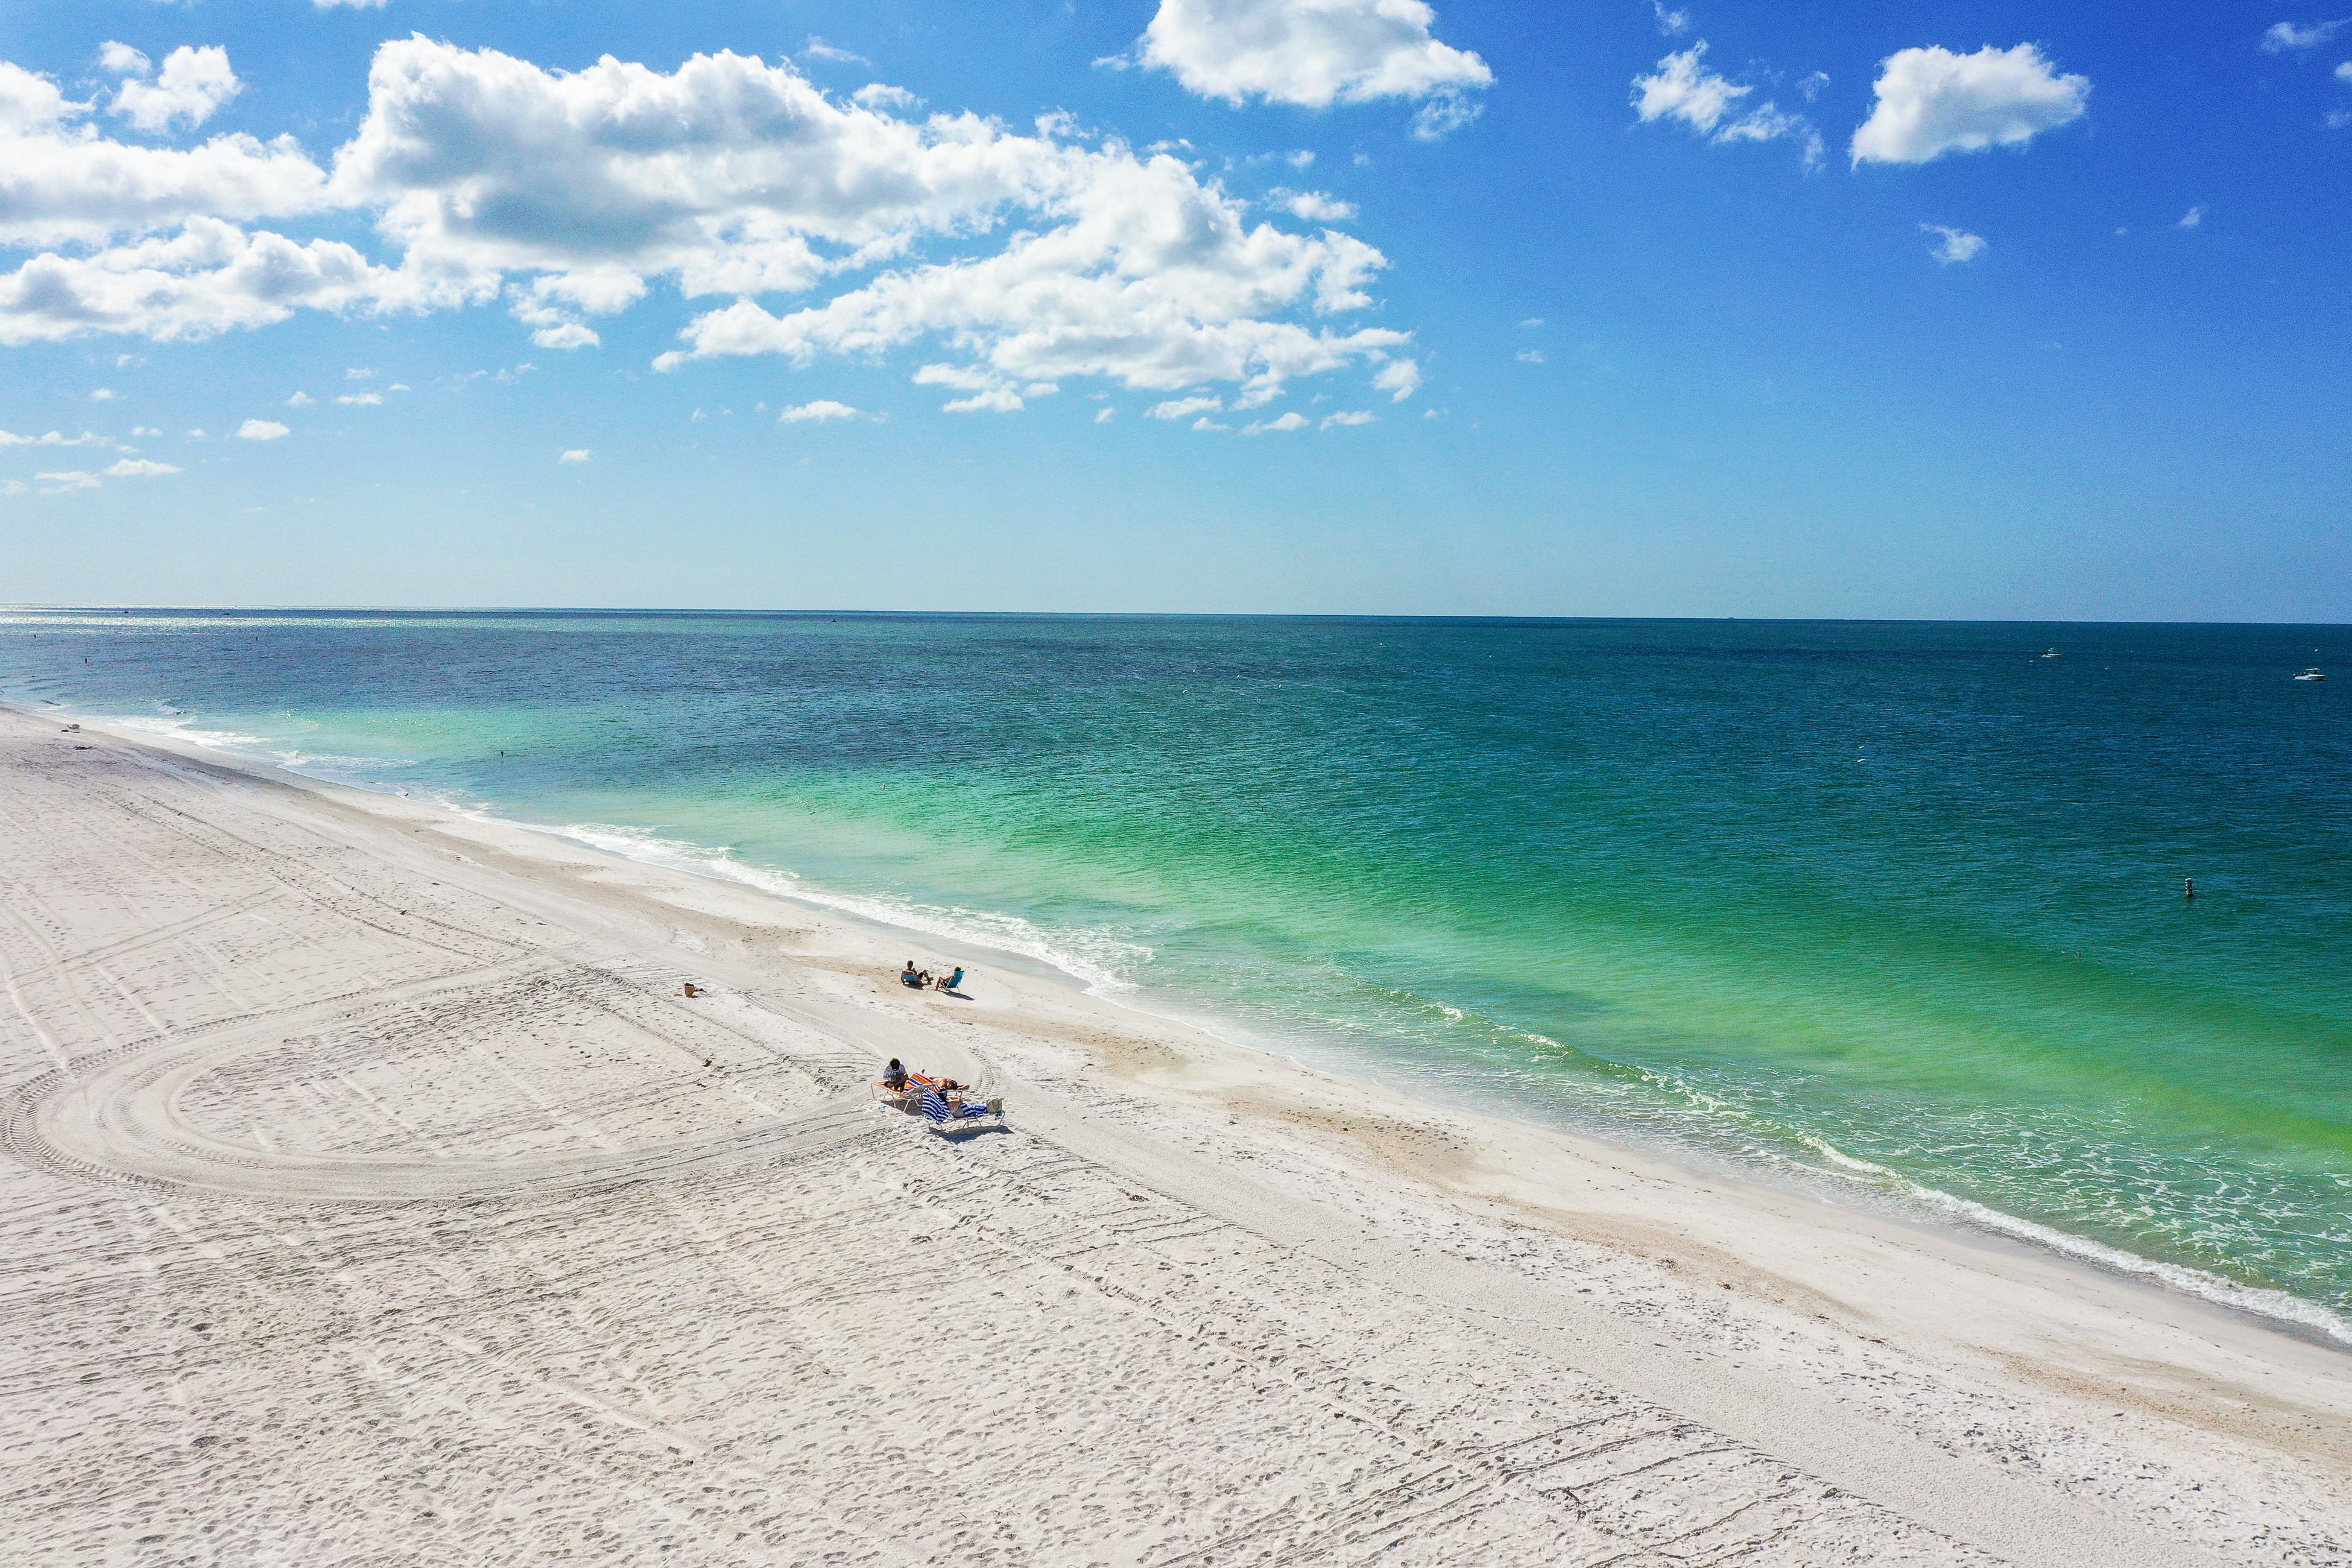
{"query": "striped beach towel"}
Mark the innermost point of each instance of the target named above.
(935, 1109)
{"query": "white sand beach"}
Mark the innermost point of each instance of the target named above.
(373, 1195)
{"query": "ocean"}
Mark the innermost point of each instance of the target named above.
(1890, 909)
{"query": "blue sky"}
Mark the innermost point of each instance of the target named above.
(1887, 310)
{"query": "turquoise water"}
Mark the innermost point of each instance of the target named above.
(1898, 906)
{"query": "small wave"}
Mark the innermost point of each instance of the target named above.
(1098, 959)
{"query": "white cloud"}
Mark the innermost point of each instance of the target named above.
(135, 430)
(1315, 207)
(262, 430)
(1399, 378)
(2193, 218)
(1294, 420)
(882, 95)
(361, 399)
(1105, 415)
(102, 395)
(62, 182)
(822, 409)
(1532, 322)
(1314, 53)
(192, 83)
(576, 455)
(354, 4)
(209, 278)
(818, 49)
(730, 174)
(52, 439)
(1205, 423)
(1531, 356)
(1151, 279)
(1684, 89)
(1349, 417)
(1673, 23)
(359, 372)
(121, 59)
(300, 400)
(58, 484)
(139, 469)
(2282, 36)
(1180, 407)
(1953, 245)
(567, 196)
(2344, 72)
(1932, 101)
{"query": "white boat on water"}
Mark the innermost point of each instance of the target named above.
(2313, 673)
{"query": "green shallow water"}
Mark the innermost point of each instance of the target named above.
(1897, 906)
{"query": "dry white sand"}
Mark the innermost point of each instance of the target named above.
(374, 1196)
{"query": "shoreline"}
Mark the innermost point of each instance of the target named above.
(1895, 1197)
(1981, 1390)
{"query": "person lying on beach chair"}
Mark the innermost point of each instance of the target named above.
(939, 1112)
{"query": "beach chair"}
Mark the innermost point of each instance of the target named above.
(943, 1117)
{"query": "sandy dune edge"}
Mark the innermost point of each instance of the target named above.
(375, 1197)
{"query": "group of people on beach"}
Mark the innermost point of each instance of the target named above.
(916, 979)
(894, 1078)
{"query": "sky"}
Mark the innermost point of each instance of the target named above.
(1590, 307)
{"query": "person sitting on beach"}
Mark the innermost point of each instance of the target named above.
(894, 1077)
(907, 977)
(950, 982)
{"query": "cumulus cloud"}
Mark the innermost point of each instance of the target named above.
(1105, 415)
(1932, 101)
(300, 400)
(361, 399)
(1185, 407)
(1531, 356)
(1348, 418)
(2193, 218)
(882, 95)
(209, 278)
(2344, 73)
(139, 469)
(53, 439)
(1315, 207)
(58, 484)
(1399, 378)
(818, 411)
(2283, 38)
(1673, 23)
(576, 455)
(1953, 245)
(262, 430)
(63, 182)
(1314, 53)
(192, 83)
(1025, 257)
(1684, 89)
(1294, 420)
(1151, 279)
